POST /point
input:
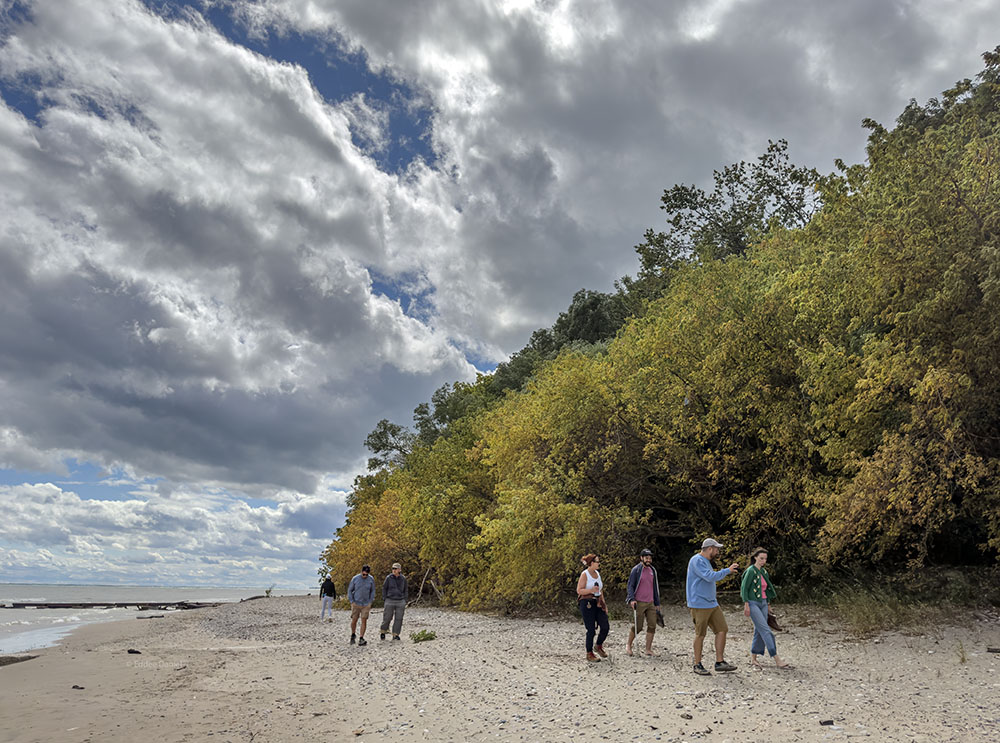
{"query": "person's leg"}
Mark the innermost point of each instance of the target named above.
(762, 635)
(633, 632)
(699, 641)
(700, 618)
(720, 647)
(397, 624)
(587, 610)
(650, 627)
(355, 613)
(604, 625)
(364, 620)
(717, 622)
(386, 618)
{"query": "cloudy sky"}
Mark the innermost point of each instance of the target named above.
(234, 235)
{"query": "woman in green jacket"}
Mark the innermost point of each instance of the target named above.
(756, 592)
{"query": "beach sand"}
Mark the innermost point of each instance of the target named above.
(268, 670)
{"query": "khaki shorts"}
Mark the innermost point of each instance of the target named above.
(361, 612)
(645, 612)
(705, 618)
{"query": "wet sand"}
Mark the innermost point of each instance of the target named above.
(269, 670)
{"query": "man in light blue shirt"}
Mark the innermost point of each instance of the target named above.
(704, 608)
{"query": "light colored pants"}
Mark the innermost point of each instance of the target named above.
(327, 606)
(762, 634)
(393, 612)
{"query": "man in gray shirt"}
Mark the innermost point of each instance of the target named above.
(394, 594)
(361, 594)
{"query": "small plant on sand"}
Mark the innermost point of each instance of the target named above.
(267, 591)
(422, 636)
(962, 657)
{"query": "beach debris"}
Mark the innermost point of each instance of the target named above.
(687, 715)
(826, 722)
(133, 651)
(993, 650)
(6, 660)
(77, 686)
(359, 731)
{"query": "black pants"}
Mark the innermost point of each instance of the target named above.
(594, 617)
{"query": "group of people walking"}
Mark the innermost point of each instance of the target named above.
(643, 597)
(361, 595)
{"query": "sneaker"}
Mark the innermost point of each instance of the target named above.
(353, 638)
(724, 666)
(381, 635)
(395, 637)
(599, 649)
(591, 658)
(362, 642)
(701, 670)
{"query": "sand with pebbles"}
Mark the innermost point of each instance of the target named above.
(269, 670)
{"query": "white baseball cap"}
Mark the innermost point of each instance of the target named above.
(710, 543)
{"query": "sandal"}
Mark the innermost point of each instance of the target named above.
(756, 666)
(786, 667)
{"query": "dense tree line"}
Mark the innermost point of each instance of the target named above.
(804, 361)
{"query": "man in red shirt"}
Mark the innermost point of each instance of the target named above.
(644, 598)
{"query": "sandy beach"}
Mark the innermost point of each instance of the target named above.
(268, 670)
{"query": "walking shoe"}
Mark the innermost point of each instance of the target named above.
(599, 649)
(353, 637)
(362, 642)
(381, 635)
(724, 666)
(591, 658)
(395, 637)
(701, 670)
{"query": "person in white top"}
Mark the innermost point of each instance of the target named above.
(590, 593)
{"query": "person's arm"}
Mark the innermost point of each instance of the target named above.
(746, 585)
(385, 587)
(746, 590)
(656, 589)
(351, 589)
(633, 586)
(406, 589)
(703, 569)
(581, 586)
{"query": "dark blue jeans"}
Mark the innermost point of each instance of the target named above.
(594, 618)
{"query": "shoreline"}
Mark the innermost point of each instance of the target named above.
(268, 670)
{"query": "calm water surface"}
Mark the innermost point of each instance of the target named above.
(26, 629)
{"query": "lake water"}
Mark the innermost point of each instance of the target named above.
(27, 629)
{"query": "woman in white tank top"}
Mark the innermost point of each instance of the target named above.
(590, 595)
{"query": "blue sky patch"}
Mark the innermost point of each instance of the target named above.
(338, 76)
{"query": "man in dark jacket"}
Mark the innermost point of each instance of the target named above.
(394, 593)
(327, 592)
(644, 598)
